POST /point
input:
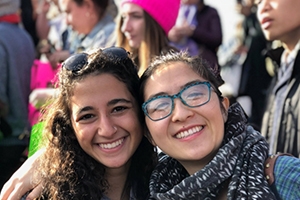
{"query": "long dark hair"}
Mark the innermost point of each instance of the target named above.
(67, 171)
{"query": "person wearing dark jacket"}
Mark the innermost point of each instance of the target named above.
(203, 30)
(255, 79)
(281, 120)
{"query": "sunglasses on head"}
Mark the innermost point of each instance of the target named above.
(78, 61)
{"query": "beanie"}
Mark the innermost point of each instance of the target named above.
(9, 7)
(164, 12)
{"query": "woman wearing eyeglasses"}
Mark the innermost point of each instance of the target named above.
(95, 148)
(211, 151)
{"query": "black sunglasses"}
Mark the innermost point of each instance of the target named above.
(78, 61)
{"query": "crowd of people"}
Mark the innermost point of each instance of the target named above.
(136, 76)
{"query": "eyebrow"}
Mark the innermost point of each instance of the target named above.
(115, 101)
(110, 103)
(181, 87)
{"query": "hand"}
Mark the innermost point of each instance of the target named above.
(40, 96)
(175, 34)
(22, 181)
(57, 57)
(44, 46)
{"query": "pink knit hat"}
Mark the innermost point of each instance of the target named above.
(164, 12)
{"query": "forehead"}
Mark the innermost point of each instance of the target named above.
(131, 8)
(173, 70)
(100, 87)
(170, 78)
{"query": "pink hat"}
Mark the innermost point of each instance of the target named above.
(164, 12)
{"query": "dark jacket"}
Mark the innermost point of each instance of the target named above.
(288, 140)
(208, 33)
(255, 79)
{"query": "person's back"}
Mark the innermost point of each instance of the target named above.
(16, 54)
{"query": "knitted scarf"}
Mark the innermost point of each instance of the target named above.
(239, 162)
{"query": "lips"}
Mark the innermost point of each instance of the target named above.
(188, 132)
(111, 145)
(128, 36)
(266, 22)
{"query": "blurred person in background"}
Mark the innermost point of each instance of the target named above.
(82, 25)
(198, 30)
(143, 27)
(280, 20)
(16, 54)
(255, 79)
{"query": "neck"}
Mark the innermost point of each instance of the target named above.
(196, 165)
(291, 40)
(117, 179)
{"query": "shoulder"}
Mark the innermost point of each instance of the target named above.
(210, 10)
(287, 177)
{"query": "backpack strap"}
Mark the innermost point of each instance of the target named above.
(269, 166)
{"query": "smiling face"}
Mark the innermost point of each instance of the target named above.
(133, 25)
(280, 19)
(190, 135)
(105, 120)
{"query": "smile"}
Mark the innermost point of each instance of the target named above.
(112, 145)
(188, 132)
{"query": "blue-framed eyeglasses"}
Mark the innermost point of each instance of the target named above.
(194, 95)
(78, 61)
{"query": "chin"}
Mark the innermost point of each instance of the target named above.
(134, 45)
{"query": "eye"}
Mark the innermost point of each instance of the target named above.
(159, 105)
(195, 95)
(137, 16)
(119, 109)
(86, 117)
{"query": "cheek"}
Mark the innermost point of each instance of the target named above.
(83, 134)
(132, 124)
(156, 129)
(141, 30)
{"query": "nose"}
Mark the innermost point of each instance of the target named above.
(181, 112)
(262, 7)
(126, 26)
(106, 127)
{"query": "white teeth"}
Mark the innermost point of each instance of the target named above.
(112, 145)
(189, 132)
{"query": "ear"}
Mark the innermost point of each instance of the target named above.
(226, 104)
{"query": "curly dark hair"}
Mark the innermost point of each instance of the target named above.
(67, 171)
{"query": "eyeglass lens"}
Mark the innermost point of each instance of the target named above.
(161, 107)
